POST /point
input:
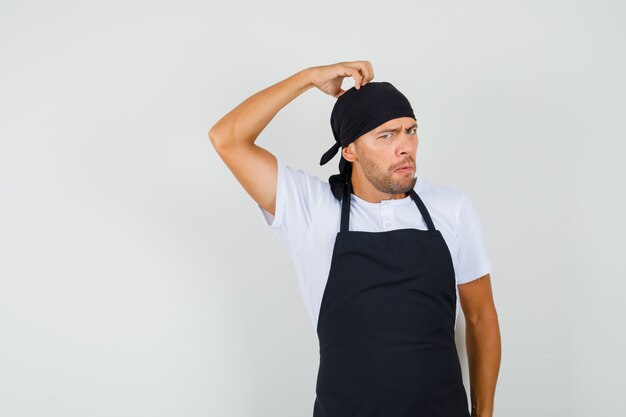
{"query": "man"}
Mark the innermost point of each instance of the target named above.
(380, 253)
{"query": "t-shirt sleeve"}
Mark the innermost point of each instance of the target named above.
(298, 195)
(472, 258)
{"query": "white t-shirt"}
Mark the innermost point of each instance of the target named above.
(308, 217)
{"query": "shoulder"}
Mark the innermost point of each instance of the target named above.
(299, 198)
(301, 185)
(445, 198)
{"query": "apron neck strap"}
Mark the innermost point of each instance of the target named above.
(345, 208)
(345, 205)
(423, 210)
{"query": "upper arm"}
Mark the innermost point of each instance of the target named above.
(256, 169)
(473, 264)
(288, 198)
(472, 260)
(476, 298)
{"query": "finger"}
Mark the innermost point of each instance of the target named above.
(364, 70)
(341, 91)
(368, 71)
(358, 79)
(350, 72)
(354, 72)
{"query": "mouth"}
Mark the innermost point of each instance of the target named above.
(405, 168)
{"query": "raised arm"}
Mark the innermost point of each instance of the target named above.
(234, 134)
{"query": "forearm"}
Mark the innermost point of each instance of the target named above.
(483, 353)
(243, 124)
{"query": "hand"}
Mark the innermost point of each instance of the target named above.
(328, 78)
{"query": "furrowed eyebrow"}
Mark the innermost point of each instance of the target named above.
(396, 129)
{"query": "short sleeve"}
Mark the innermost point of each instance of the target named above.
(298, 195)
(472, 259)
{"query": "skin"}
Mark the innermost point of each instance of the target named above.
(373, 178)
(377, 154)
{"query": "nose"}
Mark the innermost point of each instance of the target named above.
(408, 142)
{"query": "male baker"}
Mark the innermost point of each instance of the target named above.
(383, 256)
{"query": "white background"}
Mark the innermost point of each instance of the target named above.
(136, 275)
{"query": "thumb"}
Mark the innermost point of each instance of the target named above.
(341, 91)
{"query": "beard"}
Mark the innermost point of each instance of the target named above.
(385, 181)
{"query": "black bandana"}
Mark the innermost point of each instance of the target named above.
(355, 113)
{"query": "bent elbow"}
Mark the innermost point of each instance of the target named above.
(216, 138)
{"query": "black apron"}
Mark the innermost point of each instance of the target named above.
(386, 325)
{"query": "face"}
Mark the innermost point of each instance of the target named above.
(379, 153)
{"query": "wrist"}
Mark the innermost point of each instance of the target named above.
(303, 79)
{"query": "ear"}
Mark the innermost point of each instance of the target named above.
(348, 152)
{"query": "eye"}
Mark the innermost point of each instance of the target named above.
(414, 129)
(385, 136)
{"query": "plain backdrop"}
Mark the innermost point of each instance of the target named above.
(136, 275)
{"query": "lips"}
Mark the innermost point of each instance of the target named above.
(405, 168)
